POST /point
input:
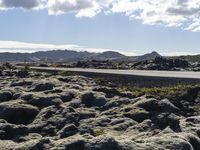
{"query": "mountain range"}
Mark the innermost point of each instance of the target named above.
(70, 55)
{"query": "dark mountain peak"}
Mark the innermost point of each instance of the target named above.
(111, 55)
(153, 53)
(150, 56)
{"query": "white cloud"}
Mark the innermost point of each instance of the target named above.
(22, 47)
(15, 46)
(57, 7)
(82, 8)
(184, 14)
(172, 13)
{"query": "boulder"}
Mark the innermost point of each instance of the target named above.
(42, 100)
(43, 87)
(5, 96)
(12, 132)
(67, 131)
(102, 143)
(70, 143)
(166, 106)
(150, 104)
(52, 119)
(14, 112)
(137, 114)
(89, 99)
(67, 96)
(165, 119)
(22, 73)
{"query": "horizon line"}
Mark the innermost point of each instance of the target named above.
(26, 47)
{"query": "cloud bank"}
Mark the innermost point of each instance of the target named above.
(184, 14)
(15, 46)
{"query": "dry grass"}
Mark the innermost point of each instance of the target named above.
(99, 132)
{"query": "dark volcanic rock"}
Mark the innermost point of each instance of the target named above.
(147, 104)
(38, 144)
(103, 143)
(87, 99)
(90, 100)
(67, 96)
(5, 96)
(17, 113)
(138, 115)
(167, 106)
(43, 87)
(12, 132)
(71, 143)
(161, 63)
(67, 131)
(41, 100)
(22, 74)
(163, 120)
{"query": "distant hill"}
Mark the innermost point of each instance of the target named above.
(109, 55)
(70, 55)
(148, 56)
(62, 55)
(54, 55)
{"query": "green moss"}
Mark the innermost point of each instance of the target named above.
(66, 73)
(99, 132)
(178, 91)
(197, 108)
(62, 73)
(25, 69)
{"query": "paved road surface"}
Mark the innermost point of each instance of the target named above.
(144, 73)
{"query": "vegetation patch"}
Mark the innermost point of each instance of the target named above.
(172, 92)
(197, 108)
(66, 73)
(100, 132)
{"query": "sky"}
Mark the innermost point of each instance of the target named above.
(132, 27)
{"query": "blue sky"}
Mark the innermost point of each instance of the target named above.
(97, 31)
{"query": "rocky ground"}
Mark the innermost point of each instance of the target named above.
(42, 111)
(169, 64)
(159, 63)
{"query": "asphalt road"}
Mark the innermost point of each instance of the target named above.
(142, 73)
